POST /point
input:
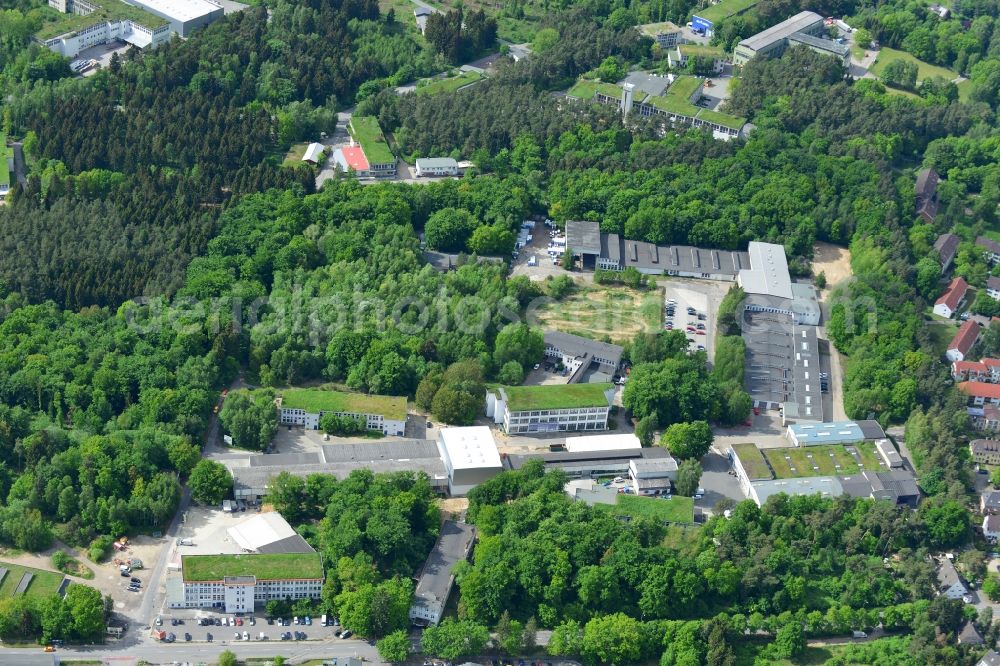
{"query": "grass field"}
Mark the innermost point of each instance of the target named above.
(367, 132)
(5, 152)
(449, 84)
(555, 396)
(869, 456)
(44, 583)
(724, 9)
(264, 567)
(924, 69)
(293, 157)
(318, 400)
(598, 311)
(676, 510)
(792, 463)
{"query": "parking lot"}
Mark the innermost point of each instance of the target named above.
(538, 248)
(701, 296)
(229, 628)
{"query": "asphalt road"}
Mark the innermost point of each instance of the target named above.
(167, 653)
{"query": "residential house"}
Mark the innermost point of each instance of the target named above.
(987, 420)
(991, 527)
(964, 340)
(436, 166)
(421, 14)
(983, 370)
(990, 247)
(680, 56)
(993, 288)
(926, 203)
(950, 584)
(946, 247)
(991, 658)
(969, 635)
(986, 452)
(947, 305)
(989, 502)
(981, 393)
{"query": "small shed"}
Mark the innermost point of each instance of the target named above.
(314, 153)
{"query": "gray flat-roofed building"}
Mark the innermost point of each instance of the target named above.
(827, 486)
(803, 307)
(590, 463)
(572, 349)
(612, 249)
(583, 239)
(782, 366)
(683, 260)
(251, 477)
(436, 577)
(890, 456)
(651, 84)
(870, 429)
(773, 41)
(841, 52)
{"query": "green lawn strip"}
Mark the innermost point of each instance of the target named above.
(367, 132)
(924, 69)
(293, 157)
(273, 566)
(5, 153)
(450, 84)
(675, 510)
(43, 584)
(724, 9)
(556, 396)
(318, 400)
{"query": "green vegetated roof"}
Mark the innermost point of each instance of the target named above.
(724, 9)
(57, 23)
(276, 566)
(556, 396)
(653, 29)
(588, 89)
(701, 50)
(753, 461)
(677, 100)
(800, 462)
(367, 132)
(319, 400)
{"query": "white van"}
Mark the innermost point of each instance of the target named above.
(322, 620)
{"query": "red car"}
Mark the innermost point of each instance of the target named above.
(700, 332)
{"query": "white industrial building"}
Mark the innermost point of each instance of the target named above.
(116, 20)
(268, 533)
(550, 408)
(305, 407)
(652, 476)
(231, 582)
(470, 457)
(590, 443)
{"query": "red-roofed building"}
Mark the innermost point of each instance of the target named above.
(981, 393)
(947, 305)
(352, 158)
(963, 341)
(984, 370)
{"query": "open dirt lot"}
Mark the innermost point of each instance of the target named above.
(598, 311)
(833, 261)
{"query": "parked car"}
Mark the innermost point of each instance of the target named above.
(208, 637)
(187, 637)
(309, 619)
(159, 621)
(347, 634)
(136, 580)
(246, 635)
(170, 638)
